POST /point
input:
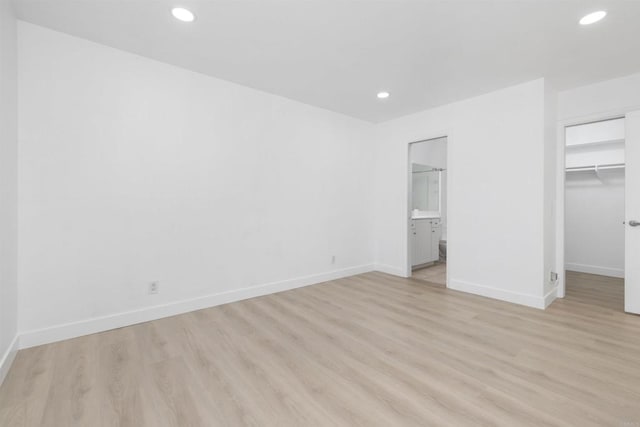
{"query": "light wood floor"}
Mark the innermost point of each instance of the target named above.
(600, 291)
(436, 273)
(371, 350)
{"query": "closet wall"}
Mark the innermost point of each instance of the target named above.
(595, 200)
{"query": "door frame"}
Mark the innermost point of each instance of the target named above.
(409, 196)
(561, 184)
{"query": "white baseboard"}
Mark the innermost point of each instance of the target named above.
(394, 271)
(104, 323)
(550, 297)
(500, 294)
(7, 358)
(595, 269)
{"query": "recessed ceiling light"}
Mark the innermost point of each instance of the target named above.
(383, 95)
(183, 14)
(593, 17)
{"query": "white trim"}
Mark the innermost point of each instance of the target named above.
(560, 219)
(550, 297)
(394, 271)
(595, 269)
(602, 116)
(118, 320)
(8, 358)
(499, 294)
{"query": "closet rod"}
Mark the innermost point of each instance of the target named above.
(431, 170)
(595, 168)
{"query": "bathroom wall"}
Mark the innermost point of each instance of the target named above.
(594, 203)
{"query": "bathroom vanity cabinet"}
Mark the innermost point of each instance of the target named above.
(425, 239)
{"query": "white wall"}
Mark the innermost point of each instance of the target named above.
(8, 187)
(600, 100)
(496, 166)
(432, 153)
(132, 170)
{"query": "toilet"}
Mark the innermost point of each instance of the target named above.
(442, 244)
(443, 250)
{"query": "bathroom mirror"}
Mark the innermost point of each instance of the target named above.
(425, 187)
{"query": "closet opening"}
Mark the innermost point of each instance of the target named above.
(595, 213)
(427, 230)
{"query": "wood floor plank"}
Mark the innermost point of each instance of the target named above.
(119, 380)
(72, 399)
(23, 394)
(368, 350)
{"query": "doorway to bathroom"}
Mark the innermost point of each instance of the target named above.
(428, 210)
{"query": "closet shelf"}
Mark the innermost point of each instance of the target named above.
(590, 144)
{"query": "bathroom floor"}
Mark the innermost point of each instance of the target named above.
(436, 273)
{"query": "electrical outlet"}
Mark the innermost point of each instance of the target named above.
(154, 288)
(553, 277)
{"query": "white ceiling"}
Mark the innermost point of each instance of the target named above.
(338, 54)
